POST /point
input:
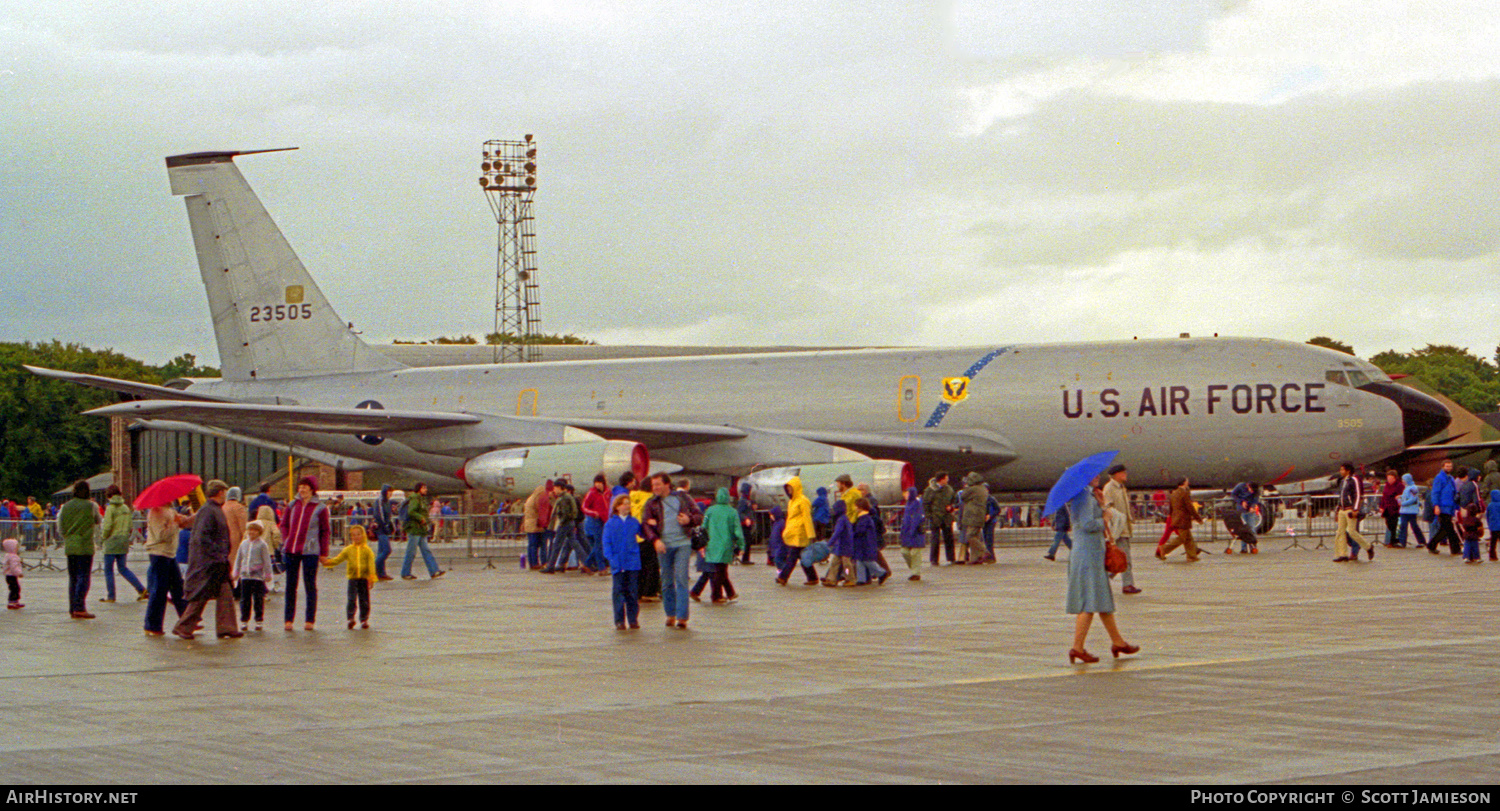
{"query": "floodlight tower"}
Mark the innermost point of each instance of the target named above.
(509, 181)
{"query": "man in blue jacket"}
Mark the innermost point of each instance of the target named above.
(1246, 497)
(383, 520)
(1444, 494)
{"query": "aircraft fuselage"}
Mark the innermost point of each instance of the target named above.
(1217, 410)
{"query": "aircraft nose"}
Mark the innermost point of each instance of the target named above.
(1421, 416)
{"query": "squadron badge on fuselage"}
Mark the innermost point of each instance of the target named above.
(955, 389)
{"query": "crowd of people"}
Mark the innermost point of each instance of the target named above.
(231, 554)
(653, 537)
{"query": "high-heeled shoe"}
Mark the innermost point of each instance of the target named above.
(1126, 649)
(1081, 655)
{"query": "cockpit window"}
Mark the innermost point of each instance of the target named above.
(1335, 377)
(1358, 378)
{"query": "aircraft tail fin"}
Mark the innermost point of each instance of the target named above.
(270, 318)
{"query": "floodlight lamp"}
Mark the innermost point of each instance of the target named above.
(484, 167)
(484, 182)
(531, 181)
(531, 167)
(531, 153)
(528, 137)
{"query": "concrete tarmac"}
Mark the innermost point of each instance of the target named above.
(1276, 668)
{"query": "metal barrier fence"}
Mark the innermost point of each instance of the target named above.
(1299, 521)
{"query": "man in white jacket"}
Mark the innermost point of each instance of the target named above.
(1117, 499)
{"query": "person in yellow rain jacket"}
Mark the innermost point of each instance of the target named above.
(798, 533)
(359, 563)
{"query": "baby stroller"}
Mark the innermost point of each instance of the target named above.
(1238, 529)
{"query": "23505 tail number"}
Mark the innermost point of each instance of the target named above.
(280, 312)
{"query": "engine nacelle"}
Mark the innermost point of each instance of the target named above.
(518, 471)
(888, 480)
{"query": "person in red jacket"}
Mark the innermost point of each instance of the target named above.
(595, 513)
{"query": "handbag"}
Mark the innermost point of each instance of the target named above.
(1115, 561)
(699, 539)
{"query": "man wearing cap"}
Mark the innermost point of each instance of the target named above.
(238, 517)
(1116, 498)
(208, 569)
(973, 514)
(938, 502)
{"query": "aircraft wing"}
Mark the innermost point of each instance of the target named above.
(423, 430)
(257, 416)
(952, 449)
(654, 435)
(330, 459)
(130, 387)
(942, 448)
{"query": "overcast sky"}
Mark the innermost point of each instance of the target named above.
(776, 173)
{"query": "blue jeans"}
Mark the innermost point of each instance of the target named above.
(674, 580)
(867, 570)
(593, 533)
(790, 557)
(79, 569)
(626, 596)
(1409, 520)
(534, 548)
(414, 542)
(166, 586)
(309, 565)
(1059, 538)
(110, 562)
(382, 551)
(567, 541)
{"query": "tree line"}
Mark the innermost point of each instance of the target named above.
(1458, 374)
(45, 441)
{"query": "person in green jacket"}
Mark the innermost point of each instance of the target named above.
(76, 523)
(1491, 481)
(725, 537)
(116, 533)
(418, 528)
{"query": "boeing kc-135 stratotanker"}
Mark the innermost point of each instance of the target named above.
(1216, 410)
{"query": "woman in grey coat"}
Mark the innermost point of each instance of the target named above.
(1088, 583)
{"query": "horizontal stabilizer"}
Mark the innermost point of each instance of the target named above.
(255, 416)
(1456, 446)
(123, 386)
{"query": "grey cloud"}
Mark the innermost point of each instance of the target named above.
(1395, 174)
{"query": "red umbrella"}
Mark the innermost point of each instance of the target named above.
(166, 491)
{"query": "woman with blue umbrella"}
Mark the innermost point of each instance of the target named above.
(1088, 583)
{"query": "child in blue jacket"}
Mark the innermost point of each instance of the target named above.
(1492, 518)
(1471, 530)
(623, 551)
(866, 546)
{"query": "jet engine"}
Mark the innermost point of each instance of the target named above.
(888, 480)
(518, 471)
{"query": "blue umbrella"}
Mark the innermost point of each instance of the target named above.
(1076, 478)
